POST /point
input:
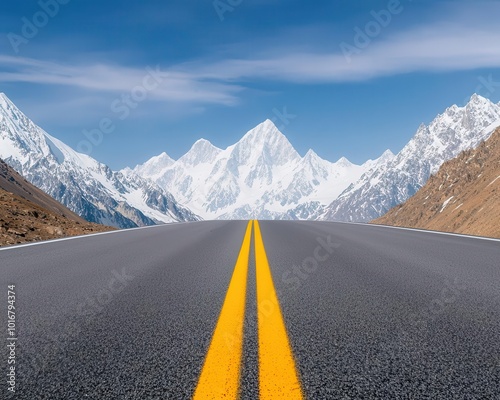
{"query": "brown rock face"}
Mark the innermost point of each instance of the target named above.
(28, 214)
(463, 197)
(12, 182)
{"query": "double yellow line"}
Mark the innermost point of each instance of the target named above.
(221, 373)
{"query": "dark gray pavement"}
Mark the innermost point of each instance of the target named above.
(372, 312)
(389, 314)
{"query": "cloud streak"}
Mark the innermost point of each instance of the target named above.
(463, 42)
(440, 47)
(176, 86)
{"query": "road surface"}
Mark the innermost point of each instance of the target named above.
(270, 310)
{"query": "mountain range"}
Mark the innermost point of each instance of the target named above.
(261, 176)
(462, 197)
(87, 187)
(450, 133)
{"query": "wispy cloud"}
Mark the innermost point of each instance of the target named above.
(462, 40)
(176, 85)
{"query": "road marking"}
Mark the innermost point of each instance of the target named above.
(462, 235)
(278, 378)
(125, 230)
(221, 372)
(220, 376)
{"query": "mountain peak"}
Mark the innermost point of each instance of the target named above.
(343, 162)
(311, 154)
(313, 158)
(387, 154)
(5, 101)
(266, 132)
(203, 143)
(477, 98)
(266, 139)
(479, 102)
(269, 124)
(202, 151)
(163, 157)
(155, 163)
(475, 101)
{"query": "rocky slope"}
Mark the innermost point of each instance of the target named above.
(463, 197)
(27, 214)
(11, 181)
(456, 130)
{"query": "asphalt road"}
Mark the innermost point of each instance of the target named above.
(362, 312)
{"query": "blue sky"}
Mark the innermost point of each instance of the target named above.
(354, 77)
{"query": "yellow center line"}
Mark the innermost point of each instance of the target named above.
(220, 376)
(278, 378)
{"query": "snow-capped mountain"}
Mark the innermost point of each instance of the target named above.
(376, 192)
(85, 186)
(261, 176)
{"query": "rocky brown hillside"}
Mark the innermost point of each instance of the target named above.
(27, 214)
(463, 197)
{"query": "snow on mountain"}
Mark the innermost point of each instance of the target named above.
(261, 176)
(87, 187)
(376, 192)
(383, 159)
(155, 166)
